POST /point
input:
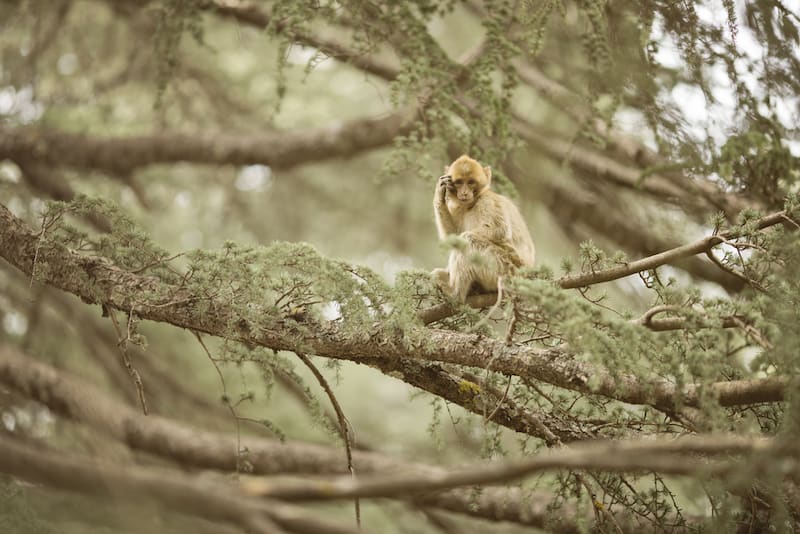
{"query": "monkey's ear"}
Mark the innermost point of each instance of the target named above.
(446, 167)
(488, 171)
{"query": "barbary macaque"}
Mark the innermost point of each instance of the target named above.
(497, 239)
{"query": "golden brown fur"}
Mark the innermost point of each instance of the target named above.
(497, 239)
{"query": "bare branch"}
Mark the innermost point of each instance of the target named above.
(674, 457)
(344, 426)
(648, 320)
(568, 204)
(668, 256)
(602, 166)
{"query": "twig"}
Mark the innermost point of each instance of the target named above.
(676, 323)
(158, 262)
(512, 324)
(293, 384)
(122, 344)
(342, 423)
(597, 506)
(791, 221)
(441, 311)
(716, 261)
(39, 241)
(755, 334)
(226, 399)
(501, 401)
(647, 317)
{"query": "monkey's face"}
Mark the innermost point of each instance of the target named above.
(465, 188)
(466, 179)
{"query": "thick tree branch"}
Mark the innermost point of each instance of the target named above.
(468, 393)
(79, 400)
(279, 150)
(179, 492)
(252, 15)
(599, 165)
(96, 280)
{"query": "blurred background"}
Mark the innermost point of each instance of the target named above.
(626, 126)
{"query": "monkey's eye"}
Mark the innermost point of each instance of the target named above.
(471, 182)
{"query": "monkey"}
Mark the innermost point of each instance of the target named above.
(497, 239)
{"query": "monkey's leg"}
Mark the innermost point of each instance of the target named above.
(487, 261)
(462, 275)
(495, 262)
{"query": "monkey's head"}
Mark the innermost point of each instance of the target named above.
(467, 179)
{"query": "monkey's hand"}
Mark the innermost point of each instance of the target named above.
(444, 184)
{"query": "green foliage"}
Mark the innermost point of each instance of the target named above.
(413, 290)
(534, 17)
(758, 162)
(287, 280)
(173, 19)
(125, 243)
(261, 285)
(595, 41)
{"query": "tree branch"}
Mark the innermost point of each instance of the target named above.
(179, 492)
(279, 150)
(252, 15)
(96, 280)
(622, 145)
(466, 392)
(568, 204)
(673, 457)
(668, 256)
(81, 401)
(602, 166)
(171, 440)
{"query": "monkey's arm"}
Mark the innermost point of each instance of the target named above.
(444, 221)
(491, 222)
